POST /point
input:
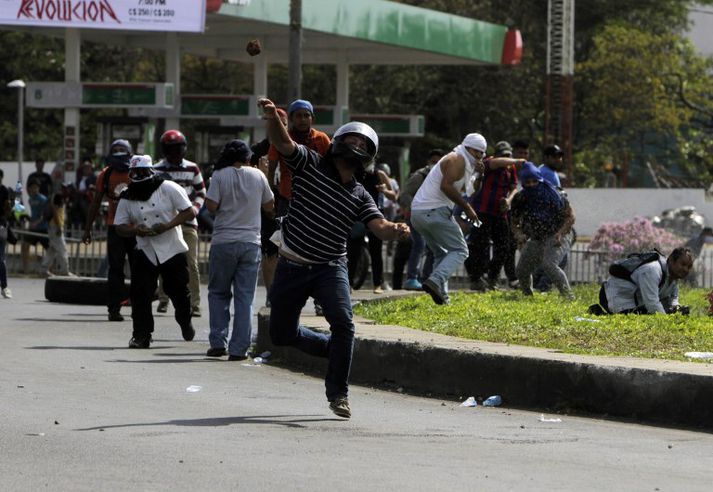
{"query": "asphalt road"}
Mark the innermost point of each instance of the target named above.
(79, 411)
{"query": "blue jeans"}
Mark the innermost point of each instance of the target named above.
(444, 238)
(328, 283)
(232, 265)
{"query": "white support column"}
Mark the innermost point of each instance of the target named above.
(72, 52)
(342, 86)
(259, 89)
(173, 75)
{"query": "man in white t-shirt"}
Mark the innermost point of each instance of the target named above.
(432, 211)
(237, 193)
(151, 209)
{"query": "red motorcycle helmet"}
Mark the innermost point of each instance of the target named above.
(174, 144)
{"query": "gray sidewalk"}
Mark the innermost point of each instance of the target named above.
(651, 391)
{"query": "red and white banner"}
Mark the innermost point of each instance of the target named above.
(132, 15)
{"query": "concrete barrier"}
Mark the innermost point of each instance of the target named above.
(649, 391)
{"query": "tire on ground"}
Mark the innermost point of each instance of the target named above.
(80, 290)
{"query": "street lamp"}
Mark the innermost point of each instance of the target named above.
(20, 86)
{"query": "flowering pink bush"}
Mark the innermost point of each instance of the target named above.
(636, 235)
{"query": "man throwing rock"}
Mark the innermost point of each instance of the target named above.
(326, 201)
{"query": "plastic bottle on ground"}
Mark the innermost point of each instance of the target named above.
(493, 401)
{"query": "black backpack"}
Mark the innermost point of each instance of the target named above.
(625, 267)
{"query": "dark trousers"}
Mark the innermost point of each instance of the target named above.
(401, 258)
(3, 267)
(118, 248)
(354, 246)
(328, 283)
(144, 280)
(509, 264)
(496, 229)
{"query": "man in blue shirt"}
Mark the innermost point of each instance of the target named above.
(553, 156)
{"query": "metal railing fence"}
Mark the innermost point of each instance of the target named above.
(584, 266)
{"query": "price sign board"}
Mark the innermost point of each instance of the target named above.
(130, 15)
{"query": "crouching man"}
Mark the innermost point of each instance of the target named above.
(644, 283)
(151, 209)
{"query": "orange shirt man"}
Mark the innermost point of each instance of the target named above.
(300, 117)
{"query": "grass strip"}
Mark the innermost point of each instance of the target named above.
(549, 321)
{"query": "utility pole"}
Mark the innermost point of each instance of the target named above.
(559, 96)
(294, 87)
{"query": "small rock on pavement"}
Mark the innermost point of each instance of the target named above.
(56, 422)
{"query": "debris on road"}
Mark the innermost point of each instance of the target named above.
(548, 420)
(193, 389)
(699, 355)
(470, 402)
(493, 401)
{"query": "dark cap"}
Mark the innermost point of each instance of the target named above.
(553, 150)
(436, 153)
(503, 149)
(300, 104)
(234, 151)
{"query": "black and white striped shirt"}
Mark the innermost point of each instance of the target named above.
(322, 210)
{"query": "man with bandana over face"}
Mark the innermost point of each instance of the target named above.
(541, 218)
(113, 179)
(432, 211)
(152, 210)
(326, 201)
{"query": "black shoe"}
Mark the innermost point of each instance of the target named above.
(188, 332)
(340, 407)
(596, 310)
(479, 285)
(136, 343)
(216, 352)
(237, 357)
(115, 316)
(434, 291)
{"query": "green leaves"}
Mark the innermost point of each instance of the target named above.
(547, 321)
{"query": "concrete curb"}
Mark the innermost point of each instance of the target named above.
(650, 391)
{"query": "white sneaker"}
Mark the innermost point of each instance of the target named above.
(7, 293)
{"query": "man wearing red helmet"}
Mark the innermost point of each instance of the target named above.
(187, 174)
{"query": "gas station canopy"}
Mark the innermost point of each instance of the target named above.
(338, 32)
(358, 32)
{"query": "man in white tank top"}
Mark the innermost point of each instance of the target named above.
(432, 211)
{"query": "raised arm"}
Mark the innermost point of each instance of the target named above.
(276, 131)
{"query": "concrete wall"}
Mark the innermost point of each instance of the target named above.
(592, 206)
